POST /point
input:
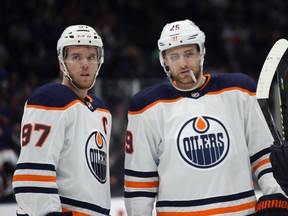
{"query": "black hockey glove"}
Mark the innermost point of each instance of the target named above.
(60, 214)
(279, 162)
(272, 205)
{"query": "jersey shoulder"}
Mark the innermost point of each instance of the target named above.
(52, 95)
(155, 93)
(233, 80)
(55, 95)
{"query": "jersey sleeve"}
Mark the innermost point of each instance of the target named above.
(141, 177)
(42, 140)
(259, 140)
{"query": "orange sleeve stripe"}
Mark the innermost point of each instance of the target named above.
(261, 163)
(53, 108)
(215, 211)
(130, 184)
(74, 212)
(38, 178)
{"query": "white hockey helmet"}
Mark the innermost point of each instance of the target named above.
(179, 33)
(80, 35)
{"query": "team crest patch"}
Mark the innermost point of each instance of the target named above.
(96, 156)
(203, 142)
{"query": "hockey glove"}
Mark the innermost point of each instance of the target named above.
(279, 162)
(272, 204)
(60, 214)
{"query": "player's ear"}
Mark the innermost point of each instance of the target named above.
(164, 59)
(61, 65)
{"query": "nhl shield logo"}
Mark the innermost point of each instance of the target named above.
(96, 156)
(203, 142)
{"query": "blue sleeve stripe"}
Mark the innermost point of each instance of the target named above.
(139, 194)
(35, 166)
(263, 172)
(85, 205)
(140, 174)
(35, 190)
(258, 155)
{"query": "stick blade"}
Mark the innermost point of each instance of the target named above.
(282, 83)
(269, 68)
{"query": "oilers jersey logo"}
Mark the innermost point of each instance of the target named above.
(203, 142)
(96, 156)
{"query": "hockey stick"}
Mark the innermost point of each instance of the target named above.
(282, 82)
(276, 62)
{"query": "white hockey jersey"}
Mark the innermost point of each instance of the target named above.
(194, 152)
(64, 160)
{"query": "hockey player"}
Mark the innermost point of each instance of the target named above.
(63, 168)
(193, 144)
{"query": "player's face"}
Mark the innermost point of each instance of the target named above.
(82, 63)
(181, 60)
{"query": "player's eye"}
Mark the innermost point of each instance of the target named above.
(76, 58)
(188, 55)
(92, 58)
(174, 58)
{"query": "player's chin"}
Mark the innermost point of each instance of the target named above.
(84, 85)
(185, 82)
(183, 76)
(186, 79)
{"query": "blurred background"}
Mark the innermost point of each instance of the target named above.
(239, 35)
